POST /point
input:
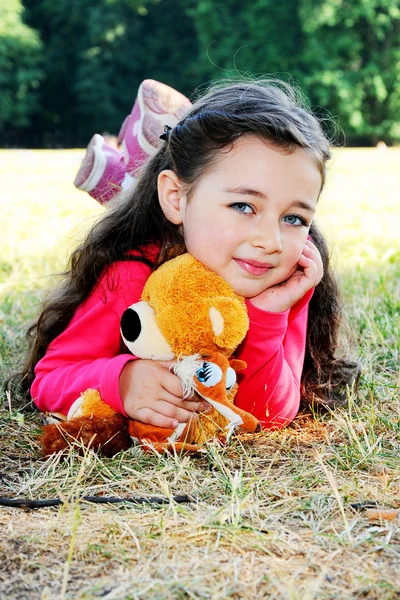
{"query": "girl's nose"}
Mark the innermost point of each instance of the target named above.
(268, 238)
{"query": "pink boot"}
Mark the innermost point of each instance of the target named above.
(156, 105)
(103, 172)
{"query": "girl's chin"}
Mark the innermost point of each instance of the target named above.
(247, 291)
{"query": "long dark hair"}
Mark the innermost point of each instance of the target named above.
(268, 110)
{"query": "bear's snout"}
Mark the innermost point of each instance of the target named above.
(141, 334)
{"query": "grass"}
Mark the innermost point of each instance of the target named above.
(270, 515)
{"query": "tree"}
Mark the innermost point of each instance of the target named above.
(261, 37)
(81, 57)
(82, 60)
(351, 64)
(96, 54)
(344, 54)
(20, 67)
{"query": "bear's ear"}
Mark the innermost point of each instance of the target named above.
(229, 321)
(237, 365)
(217, 320)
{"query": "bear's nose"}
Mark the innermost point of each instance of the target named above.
(130, 325)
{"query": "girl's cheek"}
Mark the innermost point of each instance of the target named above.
(297, 255)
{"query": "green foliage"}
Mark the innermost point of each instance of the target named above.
(260, 37)
(345, 54)
(78, 63)
(97, 53)
(20, 72)
(82, 63)
(351, 63)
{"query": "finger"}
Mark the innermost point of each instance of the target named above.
(173, 387)
(167, 363)
(192, 404)
(311, 244)
(197, 406)
(204, 406)
(171, 384)
(151, 417)
(306, 262)
(174, 412)
(320, 271)
(310, 269)
(312, 251)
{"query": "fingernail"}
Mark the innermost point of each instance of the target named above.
(175, 423)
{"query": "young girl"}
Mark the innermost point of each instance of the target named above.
(236, 183)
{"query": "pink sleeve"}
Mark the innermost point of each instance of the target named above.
(87, 354)
(274, 351)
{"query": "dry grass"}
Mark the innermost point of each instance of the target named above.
(270, 515)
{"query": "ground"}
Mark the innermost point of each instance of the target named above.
(271, 515)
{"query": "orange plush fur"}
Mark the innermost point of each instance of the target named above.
(219, 423)
(98, 427)
(194, 308)
(187, 313)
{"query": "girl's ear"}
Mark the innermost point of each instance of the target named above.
(171, 196)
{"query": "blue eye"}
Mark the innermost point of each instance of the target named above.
(295, 220)
(209, 374)
(242, 207)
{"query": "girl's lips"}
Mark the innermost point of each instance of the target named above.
(254, 267)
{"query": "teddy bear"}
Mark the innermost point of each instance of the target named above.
(190, 315)
(185, 308)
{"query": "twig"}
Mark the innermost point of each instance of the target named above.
(27, 503)
(364, 505)
(8, 396)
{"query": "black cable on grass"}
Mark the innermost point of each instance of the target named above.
(153, 500)
(364, 505)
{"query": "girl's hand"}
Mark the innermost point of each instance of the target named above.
(308, 274)
(151, 394)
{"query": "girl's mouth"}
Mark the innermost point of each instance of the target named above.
(253, 266)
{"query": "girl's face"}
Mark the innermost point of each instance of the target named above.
(248, 217)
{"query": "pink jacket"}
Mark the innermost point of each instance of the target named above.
(89, 352)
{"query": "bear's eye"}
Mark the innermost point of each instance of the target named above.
(230, 378)
(209, 374)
